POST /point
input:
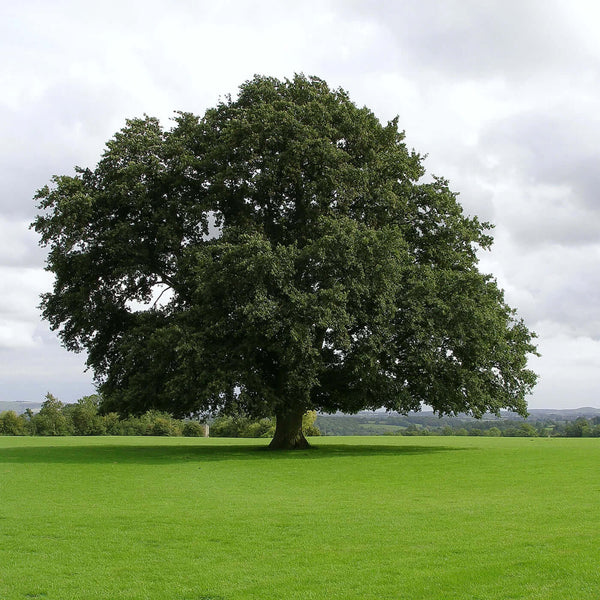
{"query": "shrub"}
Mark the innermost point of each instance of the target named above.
(240, 426)
(165, 426)
(52, 420)
(155, 422)
(85, 418)
(193, 429)
(11, 423)
(578, 428)
(259, 429)
(227, 426)
(308, 423)
(133, 426)
(112, 424)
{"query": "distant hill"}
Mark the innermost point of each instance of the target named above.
(565, 414)
(19, 407)
(381, 423)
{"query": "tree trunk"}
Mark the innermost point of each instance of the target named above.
(288, 432)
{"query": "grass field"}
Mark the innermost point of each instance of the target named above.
(356, 518)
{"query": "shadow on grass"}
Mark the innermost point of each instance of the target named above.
(146, 452)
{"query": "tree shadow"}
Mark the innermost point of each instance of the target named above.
(149, 453)
(351, 450)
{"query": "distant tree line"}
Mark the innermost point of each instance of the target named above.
(84, 418)
(424, 425)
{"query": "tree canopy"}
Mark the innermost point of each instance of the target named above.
(279, 254)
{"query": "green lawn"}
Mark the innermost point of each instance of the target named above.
(356, 518)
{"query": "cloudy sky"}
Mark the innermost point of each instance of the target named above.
(502, 95)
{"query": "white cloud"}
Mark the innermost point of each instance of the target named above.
(16, 334)
(569, 370)
(19, 315)
(29, 373)
(18, 245)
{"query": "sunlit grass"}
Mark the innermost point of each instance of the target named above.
(354, 518)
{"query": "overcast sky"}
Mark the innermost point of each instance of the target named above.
(501, 95)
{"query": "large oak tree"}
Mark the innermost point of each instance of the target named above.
(280, 253)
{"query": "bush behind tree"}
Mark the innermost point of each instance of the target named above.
(84, 418)
(12, 424)
(193, 429)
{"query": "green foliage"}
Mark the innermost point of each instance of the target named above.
(82, 418)
(193, 429)
(578, 428)
(237, 426)
(11, 423)
(337, 279)
(51, 420)
(152, 422)
(240, 426)
(309, 426)
(85, 417)
(523, 430)
(155, 422)
(112, 423)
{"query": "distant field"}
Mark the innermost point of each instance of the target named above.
(356, 518)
